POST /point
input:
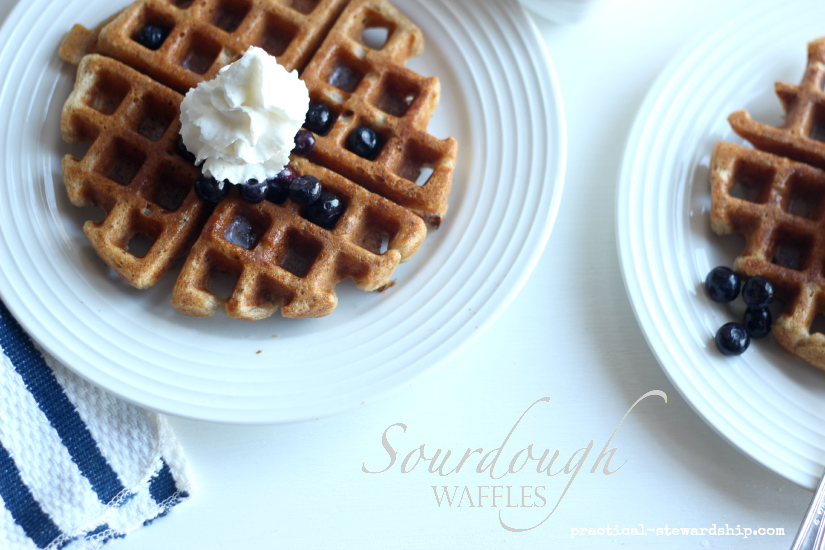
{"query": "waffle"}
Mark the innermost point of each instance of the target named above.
(775, 197)
(779, 205)
(205, 35)
(372, 88)
(801, 136)
(278, 258)
(131, 169)
(281, 259)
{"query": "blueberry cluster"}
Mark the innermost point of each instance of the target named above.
(362, 141)
(723, 286)
(319, 120)
(323, 208)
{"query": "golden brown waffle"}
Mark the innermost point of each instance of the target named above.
(131, 168)
(278, 257)
(281, 259)
(205, 35)
(802, 137)
(779, 205)
(775, 196)
(372, 88)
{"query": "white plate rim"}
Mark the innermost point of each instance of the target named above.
(628, 197)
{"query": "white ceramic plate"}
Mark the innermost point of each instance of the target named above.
(500, 100)
(765, 402)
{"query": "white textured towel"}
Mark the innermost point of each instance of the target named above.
(78, 467)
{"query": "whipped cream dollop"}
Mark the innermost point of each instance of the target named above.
(242, 124)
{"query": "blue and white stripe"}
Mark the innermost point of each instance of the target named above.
(78, 467)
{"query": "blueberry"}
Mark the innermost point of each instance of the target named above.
(732, 339)
(279, 185)
(364, 142)
(210, 190)
(254, 191)
(757, 292)
(305, 190)
(758, 322)
(319, 119)
(304, 143)
(152, 36)
(180, 147)
(326, 211)
(722, 284)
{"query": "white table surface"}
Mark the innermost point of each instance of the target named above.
(570, 335)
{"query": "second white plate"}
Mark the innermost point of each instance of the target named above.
(765, 402)
(500, 100)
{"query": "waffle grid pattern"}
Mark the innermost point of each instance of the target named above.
(281, 260)
(371, 87)
(802, 137)
(284, 260)
(775, 196)
(779, 205)
(205, 35)
(130, 169)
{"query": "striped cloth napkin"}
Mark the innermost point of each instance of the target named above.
(78, 467)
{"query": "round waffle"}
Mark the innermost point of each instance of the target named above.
(126, 105)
